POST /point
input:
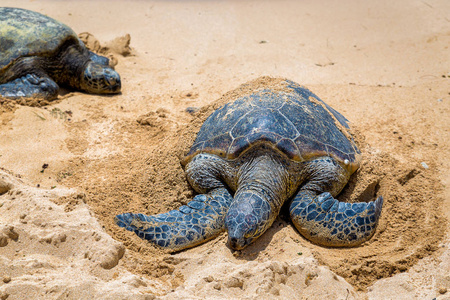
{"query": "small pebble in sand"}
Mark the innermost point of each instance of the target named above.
(442, 290)
(275, 291)
(234, 282)
(5, 186)
(3, 240)
(424, 165)
(3, 295)
(192, 110)
(6, 279)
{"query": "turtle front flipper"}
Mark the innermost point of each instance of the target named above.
(30, 86)
(199, 221)
(328, 222)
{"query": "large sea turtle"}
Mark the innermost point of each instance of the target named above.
(39, 53)
(250, 157)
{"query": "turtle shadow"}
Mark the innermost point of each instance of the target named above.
(67, 91)
(64, 91)
(352, 191)
(253, 251)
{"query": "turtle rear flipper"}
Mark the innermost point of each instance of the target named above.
(328, 222)
(199, 221)
(30, 86)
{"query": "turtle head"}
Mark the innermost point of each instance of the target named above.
(100, 79)
(248, 217)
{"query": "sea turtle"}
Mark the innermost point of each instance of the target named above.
(38, 53)
(250, 157)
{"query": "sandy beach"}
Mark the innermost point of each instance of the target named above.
(69, 166)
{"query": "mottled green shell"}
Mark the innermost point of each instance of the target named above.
(293, 121)
(28, 33)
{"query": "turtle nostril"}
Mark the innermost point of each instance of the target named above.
(233, 243)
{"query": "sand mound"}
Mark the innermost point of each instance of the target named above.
(146, 176)
(120, 45)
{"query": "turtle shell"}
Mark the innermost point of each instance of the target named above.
(293, 121)
(28, 33)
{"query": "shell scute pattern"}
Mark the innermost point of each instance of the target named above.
(262, 100)
(219, 143)
(305, 93)
(263, 120)
(26, 33)
(288, 147)
(239, 145)
(294, 121)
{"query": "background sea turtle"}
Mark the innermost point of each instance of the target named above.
(38, 53)
(253, 155)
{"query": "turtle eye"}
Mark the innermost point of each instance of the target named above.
(252, 226)
(251, 233)
(111, 81)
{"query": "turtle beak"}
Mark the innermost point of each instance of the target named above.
(235, 244)
(239, 243)
(113, 82)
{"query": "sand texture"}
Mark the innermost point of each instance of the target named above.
(67, 167)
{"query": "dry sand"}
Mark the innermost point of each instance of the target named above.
(384, 65)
